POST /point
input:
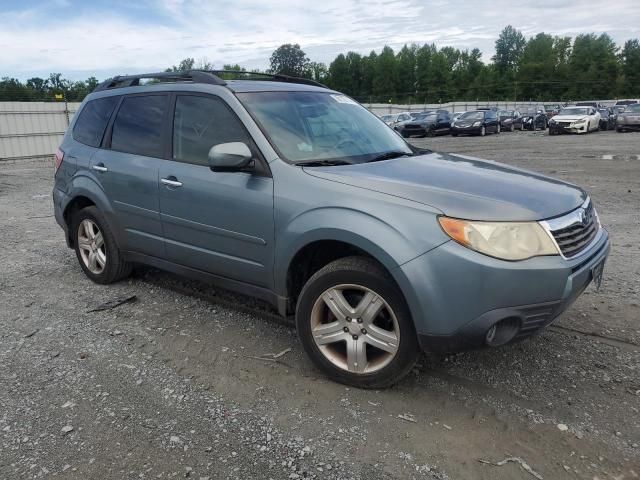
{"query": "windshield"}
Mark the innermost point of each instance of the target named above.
(472, 116)
(318, 126)
(575, 111)
(633, 108)
(386, 118)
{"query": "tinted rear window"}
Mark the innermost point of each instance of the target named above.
(93, 119)
(138, 125)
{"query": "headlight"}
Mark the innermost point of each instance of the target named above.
(504, 240)
(579, 122)
(477, 124)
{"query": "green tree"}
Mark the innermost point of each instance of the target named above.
(537, 68)
(289, 59)
(630, 67)
(339, 75)
(385, 79)
(594, 67)
(406, 68)
(184, 65)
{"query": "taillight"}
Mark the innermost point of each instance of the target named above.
(58, 159)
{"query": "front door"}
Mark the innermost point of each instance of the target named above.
(217, 222)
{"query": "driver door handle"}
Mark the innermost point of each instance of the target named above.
(100, 167)
(171, 181)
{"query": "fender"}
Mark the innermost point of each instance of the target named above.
(383, 241)
(83, 185)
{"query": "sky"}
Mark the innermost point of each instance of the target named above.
(82, 38)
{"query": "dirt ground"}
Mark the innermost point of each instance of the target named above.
(169, 386)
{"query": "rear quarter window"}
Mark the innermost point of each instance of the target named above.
(92, 121)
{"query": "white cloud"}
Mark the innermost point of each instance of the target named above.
(161, 32)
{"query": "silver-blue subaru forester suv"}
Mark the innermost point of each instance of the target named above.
(285, 190)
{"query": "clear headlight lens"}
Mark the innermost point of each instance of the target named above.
(504, 240)
(476, 124)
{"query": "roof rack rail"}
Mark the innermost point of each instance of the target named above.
(277, 77)
(196, 76)
(211, 77)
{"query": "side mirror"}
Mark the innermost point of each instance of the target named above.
(232, 156)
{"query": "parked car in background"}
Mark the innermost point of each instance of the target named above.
(476, 122)
(620, 105)
(493, 109)
(629, 119)
(607, 119)
(575, 120)
(510, 120)
(298, 195)
(552, 109)
(394, 119)
(428, 124)
(456, 115)
(534, 118)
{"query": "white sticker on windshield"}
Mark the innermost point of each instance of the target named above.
(343, 99)
(304, 147)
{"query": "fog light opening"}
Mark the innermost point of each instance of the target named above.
(503, 331)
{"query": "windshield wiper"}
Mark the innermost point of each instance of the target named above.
(389, 155)
(322, 163)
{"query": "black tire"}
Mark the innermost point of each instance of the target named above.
(364, 272)
(430, 133)
(404, 134)
(453, 134)
(498, 129)
(512, 128)
(483, 131)
(619, 130)
(522, 127)
(115, 267)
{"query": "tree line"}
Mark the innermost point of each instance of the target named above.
(543, 68)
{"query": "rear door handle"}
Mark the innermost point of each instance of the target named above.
(171, 181)
(100, 167)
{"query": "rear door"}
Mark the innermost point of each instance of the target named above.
(127, 169)
(217, 222)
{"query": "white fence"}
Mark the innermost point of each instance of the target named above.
(32, 130)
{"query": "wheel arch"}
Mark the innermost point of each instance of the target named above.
(311, 251)
(85, 192)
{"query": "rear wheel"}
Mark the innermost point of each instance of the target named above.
(512, 128)
(96, 248)
(498, 129)
(354, 324)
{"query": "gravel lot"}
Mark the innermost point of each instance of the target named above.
(169, 386)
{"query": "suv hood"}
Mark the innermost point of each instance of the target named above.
(462, 187)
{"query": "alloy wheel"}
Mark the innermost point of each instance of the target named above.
(355, 328)
(91, 246)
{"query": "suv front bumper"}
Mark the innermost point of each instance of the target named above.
(456, 295)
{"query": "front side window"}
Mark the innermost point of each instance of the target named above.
(318, 126)
(93, 119)
(137, 128)
(200, 123)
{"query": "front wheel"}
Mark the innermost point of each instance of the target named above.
(512, 128)
(498, 129)
(354, 324)
(483, 131)
(96, 247)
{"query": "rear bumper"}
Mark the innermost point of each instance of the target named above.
(456, 295)
(60, 201)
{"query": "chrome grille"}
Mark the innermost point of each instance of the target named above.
(577, 235)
